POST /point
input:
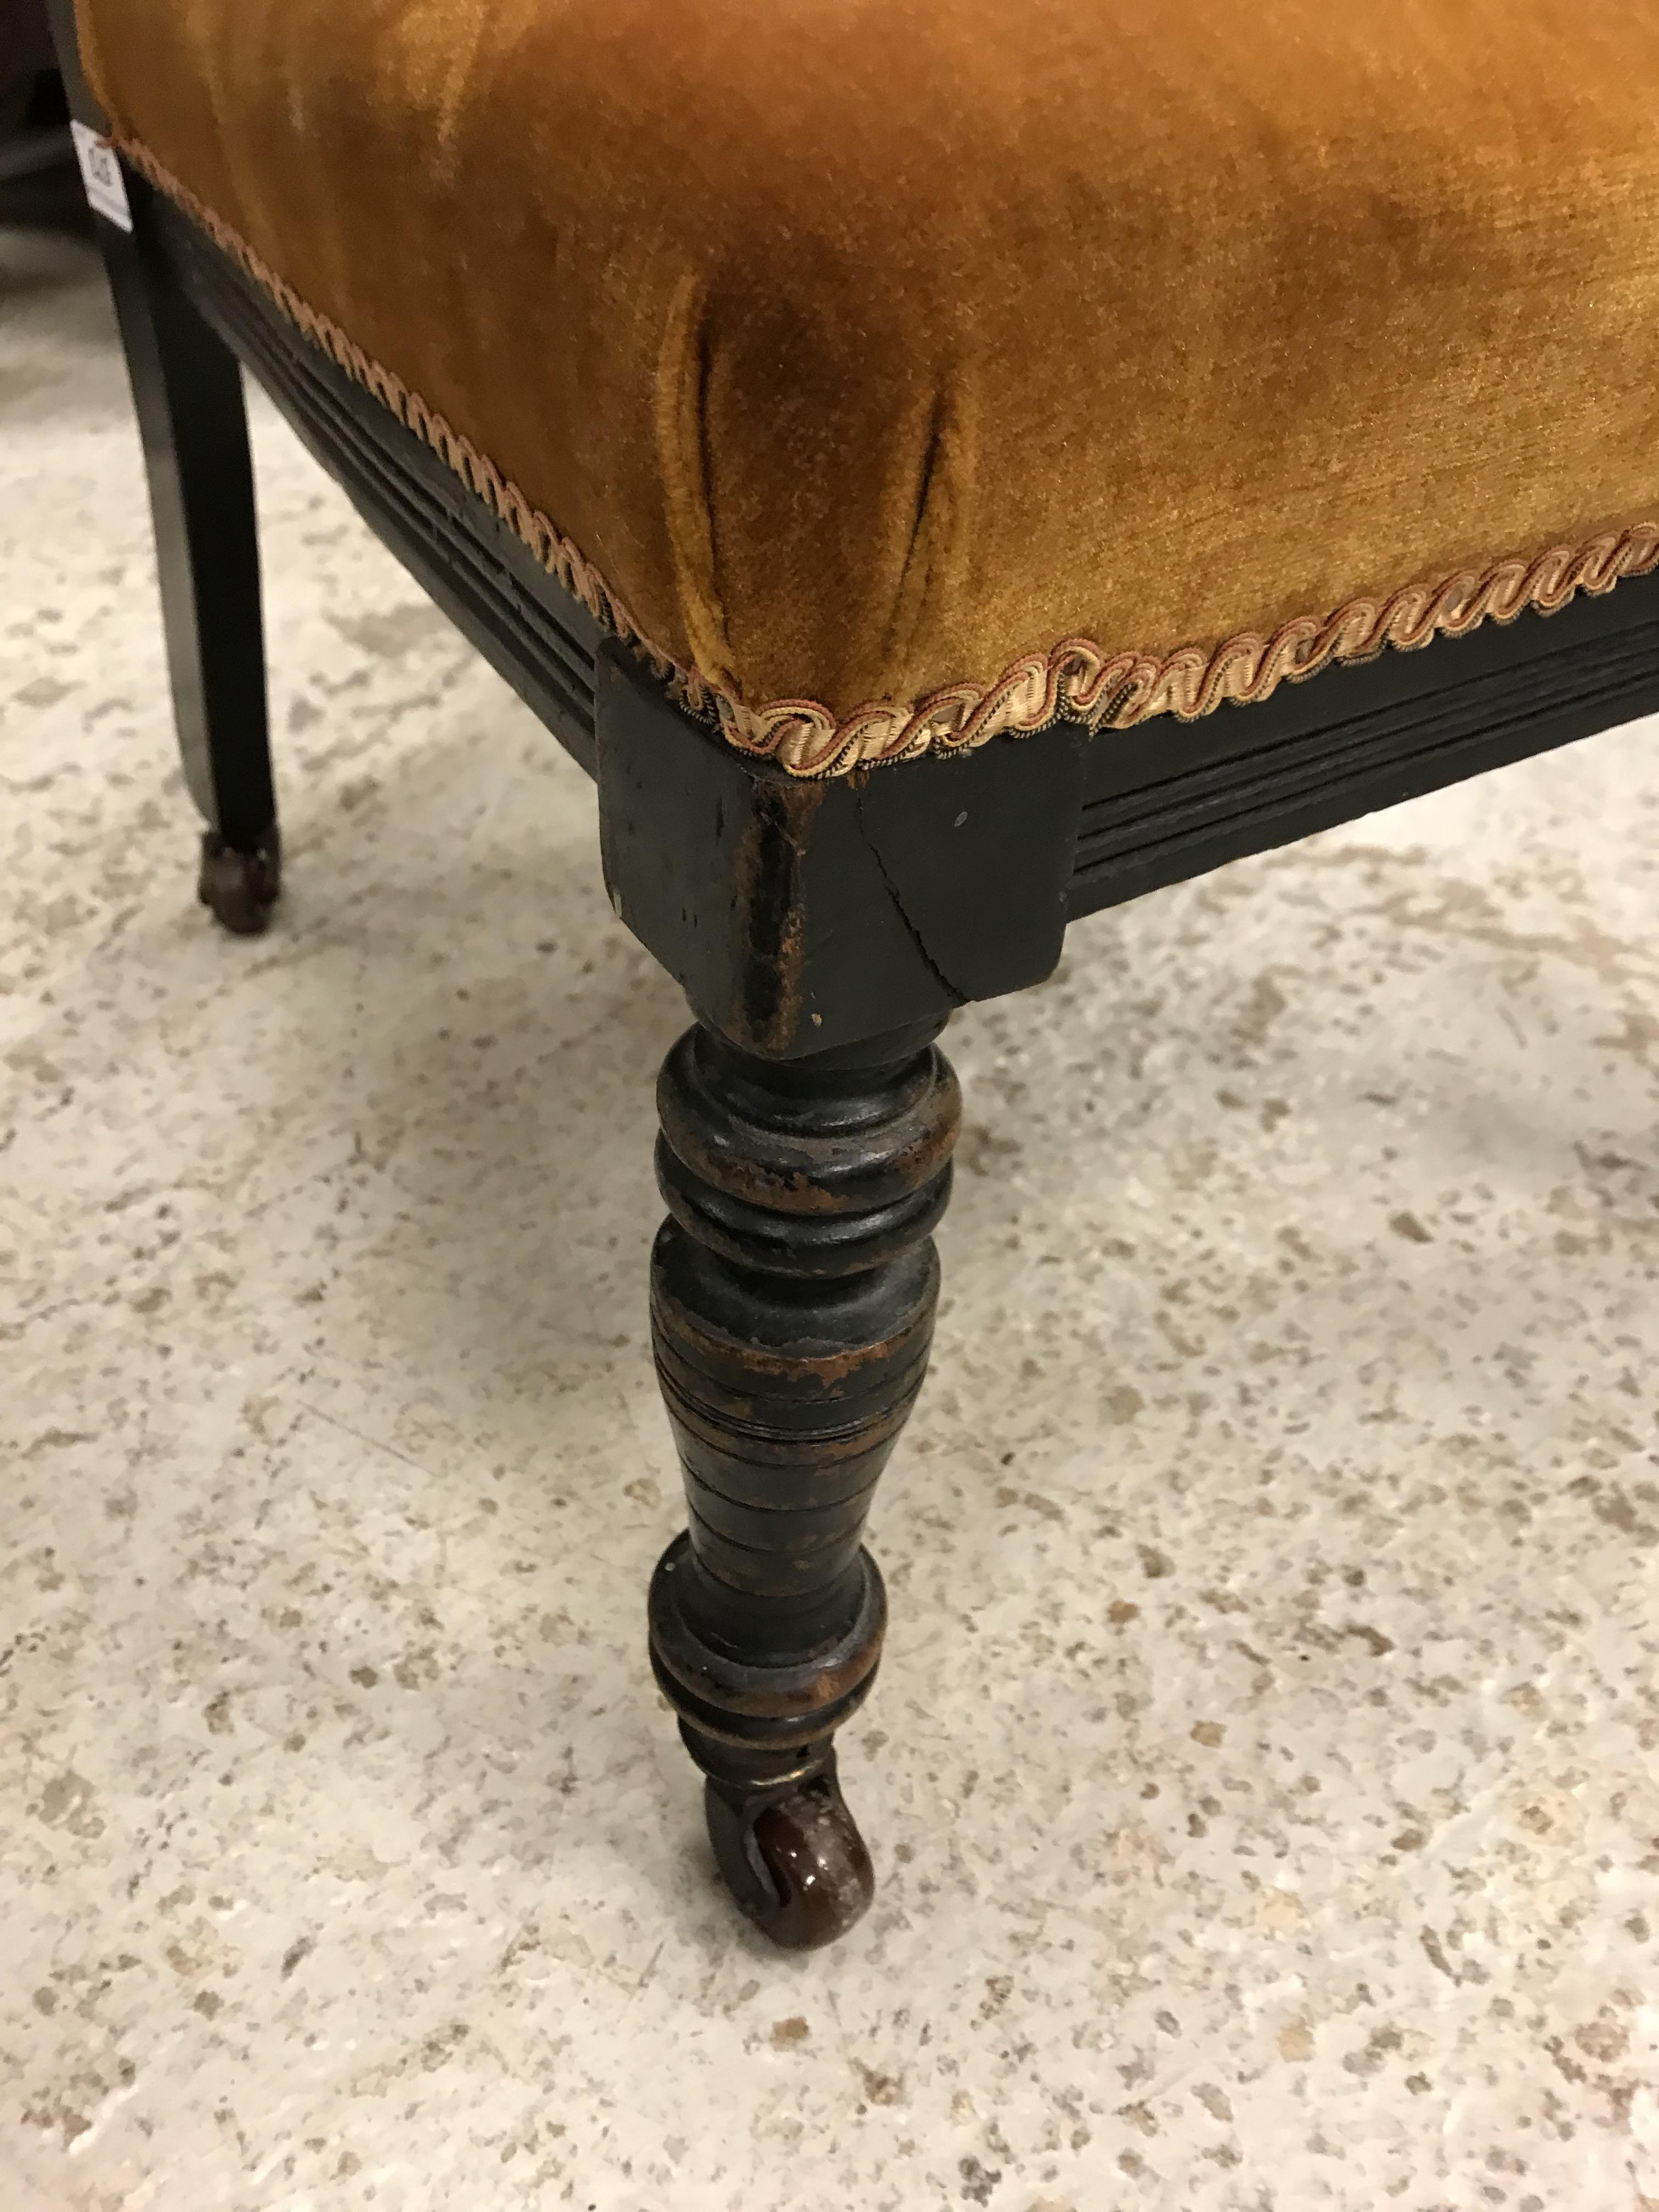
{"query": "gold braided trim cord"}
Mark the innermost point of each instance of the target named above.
(556, 552)
(1076, 680)
(1080, 682)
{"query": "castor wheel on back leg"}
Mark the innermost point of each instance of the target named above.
(241, 888)
(791, 1856)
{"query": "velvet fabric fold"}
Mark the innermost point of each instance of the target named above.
(869, 348)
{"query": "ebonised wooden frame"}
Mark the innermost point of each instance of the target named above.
(823, 932)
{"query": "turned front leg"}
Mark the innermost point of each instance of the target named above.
(792, 1291)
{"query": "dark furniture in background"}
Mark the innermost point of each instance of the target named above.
(33, 112)
(824, 933)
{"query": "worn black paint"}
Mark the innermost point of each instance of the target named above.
(792, 1291)
(800, 915)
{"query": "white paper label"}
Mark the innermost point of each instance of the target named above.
(101, 172)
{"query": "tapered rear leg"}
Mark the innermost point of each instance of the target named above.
(187, 388)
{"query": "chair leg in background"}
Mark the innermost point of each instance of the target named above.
(187, 386)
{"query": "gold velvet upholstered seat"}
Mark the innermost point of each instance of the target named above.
(902, 372)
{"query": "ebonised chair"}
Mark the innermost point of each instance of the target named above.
(824, 927)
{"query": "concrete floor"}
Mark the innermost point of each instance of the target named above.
(1264, 1778)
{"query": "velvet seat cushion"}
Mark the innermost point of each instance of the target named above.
(898, 372)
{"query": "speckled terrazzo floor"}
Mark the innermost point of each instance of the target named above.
(1265, 1773)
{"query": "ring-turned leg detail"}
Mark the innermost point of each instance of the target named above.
(793, 1296)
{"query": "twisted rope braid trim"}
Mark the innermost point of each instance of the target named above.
(1077, 680)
